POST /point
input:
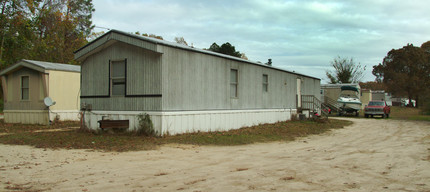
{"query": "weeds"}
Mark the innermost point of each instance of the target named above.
(294, 117)
(146, 127)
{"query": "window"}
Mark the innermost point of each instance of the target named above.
(265, 83)
(118, 76)
(233, 83)
(25, 88)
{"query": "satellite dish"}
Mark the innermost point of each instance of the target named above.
(48, 101)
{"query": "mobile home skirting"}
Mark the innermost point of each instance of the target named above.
(179, 122)
(65, 115)
(39, 116)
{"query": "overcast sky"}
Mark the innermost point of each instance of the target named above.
(301, 36)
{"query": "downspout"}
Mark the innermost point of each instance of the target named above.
(45, 86)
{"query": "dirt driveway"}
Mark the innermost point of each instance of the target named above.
(370, 155)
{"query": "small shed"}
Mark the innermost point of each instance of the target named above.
(27, 83)
(381, 95)
(182, 88)
(366, 96)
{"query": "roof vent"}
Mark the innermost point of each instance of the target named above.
(269, 62)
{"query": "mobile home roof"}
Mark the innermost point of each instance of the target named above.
(41, 66)
(85, 50)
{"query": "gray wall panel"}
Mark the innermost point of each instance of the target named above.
(193, 81)
(143, 79)
(124, 104)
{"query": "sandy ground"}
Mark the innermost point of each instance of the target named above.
(370, 155)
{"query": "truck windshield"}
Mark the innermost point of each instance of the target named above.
(376, 103)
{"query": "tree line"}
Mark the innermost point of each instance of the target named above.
(51, 30)
(226, 48)
(46, 30)
(406, 72)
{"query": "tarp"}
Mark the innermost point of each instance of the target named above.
(349, 88)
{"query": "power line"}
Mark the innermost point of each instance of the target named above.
(101, 27)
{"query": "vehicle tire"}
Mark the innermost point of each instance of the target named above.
(366, 115)
(371, 116)
(383, 116)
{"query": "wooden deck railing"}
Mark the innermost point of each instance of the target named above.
(313, 104)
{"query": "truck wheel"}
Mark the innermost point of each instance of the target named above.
(383, 116)
(366, 115)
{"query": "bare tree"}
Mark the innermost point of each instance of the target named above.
(345, 71)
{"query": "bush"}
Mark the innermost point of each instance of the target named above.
(425, 106)
(145, 125)
(294, 117)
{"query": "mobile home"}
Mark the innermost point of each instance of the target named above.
(182, 88)
(27, 83)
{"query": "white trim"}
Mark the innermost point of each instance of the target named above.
(265, 83)
(177, 122)
(236, 84)
(185, 112)
(64, 115)
(21, 88)
(112, 78)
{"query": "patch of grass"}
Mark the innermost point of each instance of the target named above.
(81, 140)
(408, 113)
(282, 131)
(420, 118)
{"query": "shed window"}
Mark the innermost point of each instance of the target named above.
(233, 83)
(265, 83)
(25, 88)
(118, 77)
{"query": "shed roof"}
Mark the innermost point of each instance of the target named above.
(338, 86)
(107, 38)
(41, 66)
